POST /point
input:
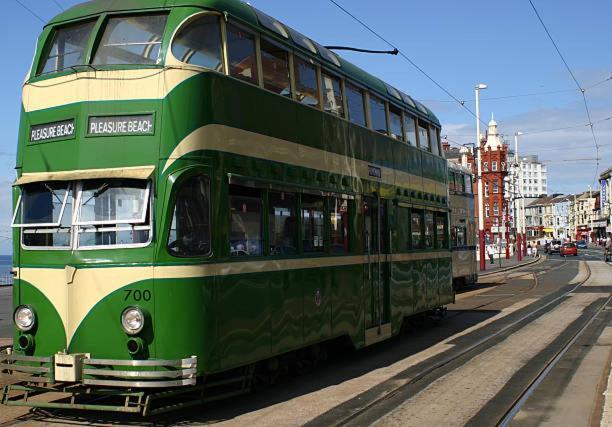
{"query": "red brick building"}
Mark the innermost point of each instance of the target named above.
(494, 169)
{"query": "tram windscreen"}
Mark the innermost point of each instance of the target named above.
(41, 204)
(67, 48)
(113, 202)
(131, 40)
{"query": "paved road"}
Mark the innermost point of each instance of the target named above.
(460, 373)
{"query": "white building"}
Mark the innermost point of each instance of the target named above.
(532, 175)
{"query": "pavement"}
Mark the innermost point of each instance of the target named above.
(502, 264)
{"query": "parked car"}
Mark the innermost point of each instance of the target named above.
(581, 244)
(568, 249)
(552, 246)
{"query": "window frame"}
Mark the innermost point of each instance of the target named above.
(75, 244)
(222, 37)
(262, 83)
(364, 100)
(263, 218)
(374, 96)
(87, 51)
(178, 183)
(100, 29)
(325, 71)
(256, 81)
(298, 57)
(69, 189)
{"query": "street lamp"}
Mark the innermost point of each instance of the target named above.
(481, 237)
(520, 204)
(512, 196)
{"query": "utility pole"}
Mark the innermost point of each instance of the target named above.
(481, 237)
(591, 233)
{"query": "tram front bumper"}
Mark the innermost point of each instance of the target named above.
(81, 369)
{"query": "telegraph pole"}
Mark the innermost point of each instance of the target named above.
(481, 236)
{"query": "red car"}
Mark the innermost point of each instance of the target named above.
(568, 249)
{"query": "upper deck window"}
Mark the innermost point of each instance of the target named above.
(355, 103)
(424, 136)
(199, 43)
(275, 67)
(332, 95)
(307, 85)
(302, 40)
(395, 123)
(378, 114)
(271, 23)
(241, 53)
(67, 48)
(131, 40)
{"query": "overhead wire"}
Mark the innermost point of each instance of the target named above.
(34, 14)
(406, 58)
(582, 90)
(59, 5)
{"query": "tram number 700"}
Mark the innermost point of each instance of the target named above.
(137, 295)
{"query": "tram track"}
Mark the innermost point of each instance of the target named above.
(361, 412)
(535, 283)
(528, 391)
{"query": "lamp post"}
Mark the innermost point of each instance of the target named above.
(512, 197)
(481, 237)
(520, 206)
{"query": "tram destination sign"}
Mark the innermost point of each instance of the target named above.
(51, 131)
(142, 124)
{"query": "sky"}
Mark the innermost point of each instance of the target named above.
(457, 43)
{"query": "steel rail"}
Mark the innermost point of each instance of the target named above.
(535, 383)
(427, 371)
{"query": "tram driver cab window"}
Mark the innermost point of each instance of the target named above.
(190, 229)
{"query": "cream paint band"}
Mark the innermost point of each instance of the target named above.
(95, 85)
(138, 172)
(238, 141)
(74, 293)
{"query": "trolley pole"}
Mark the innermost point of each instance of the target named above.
(481, 236)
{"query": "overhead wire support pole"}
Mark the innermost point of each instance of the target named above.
(481, 235)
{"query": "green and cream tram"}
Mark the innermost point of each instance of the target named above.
(200, 188)
(462, 225)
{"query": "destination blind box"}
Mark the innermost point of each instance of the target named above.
(142, 124)
(51, 131)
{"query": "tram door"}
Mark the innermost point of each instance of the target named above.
(377, 269)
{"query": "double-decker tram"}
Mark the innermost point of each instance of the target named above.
(201, 188)
(462, 225)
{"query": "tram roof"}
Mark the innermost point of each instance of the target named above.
(246, 13)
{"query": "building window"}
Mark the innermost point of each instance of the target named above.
(486, 189)
(282, 223)
(495, 209)
(275, 68)
(245, 221)
(355, 103)
(241, 54)
(307, 86)
(494, 166)
(332, 95)
(485, 166)
(487, 211)
(495, 187)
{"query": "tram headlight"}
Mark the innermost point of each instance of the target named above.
(132, 320)
(24, 318)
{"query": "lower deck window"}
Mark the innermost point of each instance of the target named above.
(190, 229)
(282, 223)
(313, 223)
(245, 221)
(416, 229)
(338, 215)
(441, 231)
(429, 230)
